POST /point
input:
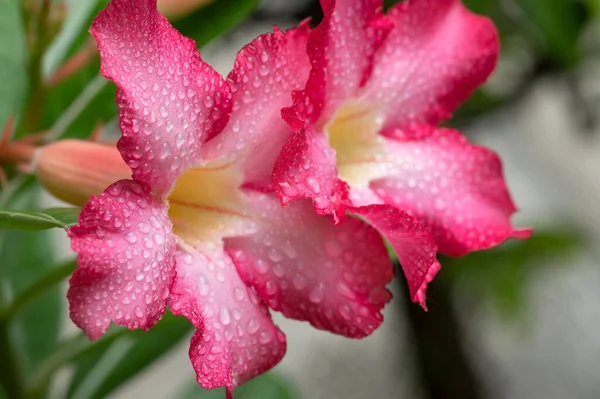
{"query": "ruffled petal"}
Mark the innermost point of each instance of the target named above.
(341, 52)
(413, 243)
(126, 260)
(306, 168)
(236, 338)
(265, 73)
(169, 100)
(302, 265)
(457, 189)
(437, 54)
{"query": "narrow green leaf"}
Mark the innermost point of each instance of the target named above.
(69, 351)
(13, 80)
(68, 216)
(74, 32)
(560, 24)
(216, 18)
(147, 348)
(43, 220)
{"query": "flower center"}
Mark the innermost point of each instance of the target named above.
(354, 135)
(206, 203)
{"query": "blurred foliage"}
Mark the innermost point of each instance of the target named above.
(13, 82)
(143, 350)
(501, 275)
(20, 266)
(99, 371)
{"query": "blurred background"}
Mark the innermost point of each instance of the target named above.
(519, 321)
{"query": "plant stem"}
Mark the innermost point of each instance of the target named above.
(37, 89)
(10, 375)
(442, 365)
(49, 280)
(76, 108)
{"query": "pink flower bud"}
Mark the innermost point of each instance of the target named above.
(74, 170)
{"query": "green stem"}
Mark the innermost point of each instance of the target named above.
(76, 108)
(10, 375)
(55, 276)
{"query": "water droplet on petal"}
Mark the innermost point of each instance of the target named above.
(333, 249)
(225, 316)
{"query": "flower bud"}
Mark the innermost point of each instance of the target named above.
(74, 170)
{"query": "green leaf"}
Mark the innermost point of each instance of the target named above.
(43, 220)
(266, 386)
(560, 24)
(74, 32)
(147, 348)
(13, 79)
(69, 351)
(215, 19)
(68, 216)
(26, 257)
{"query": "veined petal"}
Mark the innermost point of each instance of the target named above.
(437, 54)
(169, 100)
(457, 189)
(302, 265)
(413, 243)
(265, 73)
(236, 338)
(126, 260)
(341, 52)
(306, 168)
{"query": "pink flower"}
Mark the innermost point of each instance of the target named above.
(199, 228)
(366, 127)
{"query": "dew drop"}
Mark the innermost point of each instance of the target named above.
(252, 326)
(225, 316)
(238, 293)
(131, 237)
(317, 294)
(333, 249)
(344, 311)
(313, 185)
(264, 337)
(346, 291)
(299, 282)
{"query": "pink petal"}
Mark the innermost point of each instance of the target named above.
(341, 52)
(437, 54)
(302, 265)
(421, 296)
(457, 189)
(236, 339)
(306, 168)
(265, 73)
(126, 260)
(170, 102)
(413, 243)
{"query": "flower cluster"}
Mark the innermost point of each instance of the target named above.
(241, 188)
